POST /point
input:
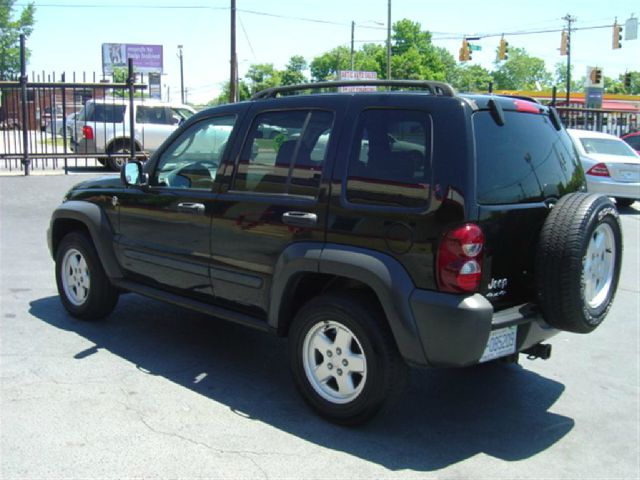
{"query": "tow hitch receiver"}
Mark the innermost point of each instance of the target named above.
(539, 350)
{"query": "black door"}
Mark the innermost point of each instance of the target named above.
(275, 195)
(165, 228)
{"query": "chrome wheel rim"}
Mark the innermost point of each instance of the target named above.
(598, 266)
(75, 277)
(334, 362)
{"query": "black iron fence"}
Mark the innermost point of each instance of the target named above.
(40, 124)
(614, 122)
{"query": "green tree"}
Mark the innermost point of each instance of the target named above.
(263, 75)
(327, 65)
(11, 27)
(471, 78)
(616, 85)
(560, 78)
(521, 72)
(413, 57)
(294, 71)
(244, 93)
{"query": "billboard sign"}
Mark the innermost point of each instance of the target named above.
(146, 58)
(357, 75)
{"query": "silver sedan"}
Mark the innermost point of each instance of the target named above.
(611, 166)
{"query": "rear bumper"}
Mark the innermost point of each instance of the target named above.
(612, 188)
(86, 146)
(454, 330)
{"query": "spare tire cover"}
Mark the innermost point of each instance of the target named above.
(578, 262)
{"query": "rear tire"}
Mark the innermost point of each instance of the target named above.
(344, 359)
(578, 262)
(83, 286)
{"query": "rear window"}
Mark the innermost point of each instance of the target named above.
(607, 146)
(104, 112)
(524, 160)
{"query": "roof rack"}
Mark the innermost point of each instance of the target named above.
(435, 88)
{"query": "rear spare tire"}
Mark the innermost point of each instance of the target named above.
(578, 262)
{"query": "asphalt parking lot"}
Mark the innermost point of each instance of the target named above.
(159, 392)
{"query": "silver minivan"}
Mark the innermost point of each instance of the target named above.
(102, 127)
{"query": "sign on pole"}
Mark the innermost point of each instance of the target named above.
(146, 58)
(357, 75)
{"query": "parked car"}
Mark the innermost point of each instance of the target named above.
(633, 139)
(612, 167)
(376, 231)
(102, 128)
(55, 125)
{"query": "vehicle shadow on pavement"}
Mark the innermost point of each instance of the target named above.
(444, 416)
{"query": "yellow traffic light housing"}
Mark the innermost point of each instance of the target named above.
(617, 36)
(503, 49)
(465, 52)
(564, 43)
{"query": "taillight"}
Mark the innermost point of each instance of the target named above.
(87, 132)
(460, 260)
(599, 170)
(527, 107)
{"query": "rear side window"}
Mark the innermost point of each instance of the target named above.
(524, 160)
(156, 115)
(284, 153)
(390, 162)
(104, 112)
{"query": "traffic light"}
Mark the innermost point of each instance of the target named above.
(503, 49)
(564, 43)
(627, 81)
(617, 35)
(465, 52)
(596, 76)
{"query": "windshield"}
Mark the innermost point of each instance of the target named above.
(608, 146)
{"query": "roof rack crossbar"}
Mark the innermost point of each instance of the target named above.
(435, 88)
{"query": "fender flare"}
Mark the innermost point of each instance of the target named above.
(382, 273)
(94, 218)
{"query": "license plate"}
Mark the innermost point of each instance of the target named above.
(501, 342)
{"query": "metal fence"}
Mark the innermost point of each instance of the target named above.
(614, 122)
(38, 126)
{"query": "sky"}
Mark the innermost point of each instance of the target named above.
(68, 34)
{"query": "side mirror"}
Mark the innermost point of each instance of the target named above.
(131, 174)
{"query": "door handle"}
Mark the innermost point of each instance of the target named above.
(300, 219)
(190, 207)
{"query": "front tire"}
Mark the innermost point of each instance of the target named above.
(344, 359)
(83, 286)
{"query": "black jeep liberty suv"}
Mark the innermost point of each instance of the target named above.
(377, 230)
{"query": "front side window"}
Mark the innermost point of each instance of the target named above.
(390, 162)
(193, 159)
(284, 153)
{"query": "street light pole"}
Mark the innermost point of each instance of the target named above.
(353, 27)
(389, 40)
(181, 74)
(233, 76)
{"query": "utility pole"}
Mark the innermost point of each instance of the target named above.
(389, 40)
(353, 27)
(569, 19)
(233, 76)
(181, 74)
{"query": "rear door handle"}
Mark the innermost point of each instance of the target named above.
(190, 207)
(300, 219)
